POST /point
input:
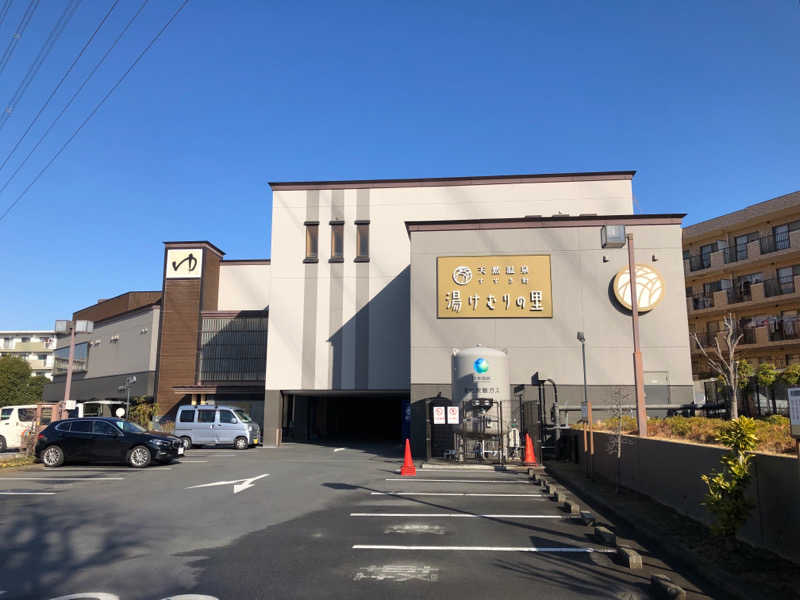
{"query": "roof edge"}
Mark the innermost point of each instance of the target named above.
(553, 221)
(452, 181)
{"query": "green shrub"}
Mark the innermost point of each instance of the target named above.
(777, 420)
(791, 375)
(725, 497)
(142, 413)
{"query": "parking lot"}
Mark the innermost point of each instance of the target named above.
(300, 521)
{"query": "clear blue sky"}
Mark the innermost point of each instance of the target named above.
(700, 98)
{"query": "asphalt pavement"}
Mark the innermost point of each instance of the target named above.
(299, 521)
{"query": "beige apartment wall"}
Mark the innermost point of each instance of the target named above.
(346, 325)
(244, 286)
(581, 302)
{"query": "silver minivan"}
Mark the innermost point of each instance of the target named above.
(207, 425)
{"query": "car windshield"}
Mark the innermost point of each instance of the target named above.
(243, 416)
(129, 427)
(5, 414)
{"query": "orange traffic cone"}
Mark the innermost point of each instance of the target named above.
(530, 456)
(408, 466)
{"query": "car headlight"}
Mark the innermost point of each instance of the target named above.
(160, 443)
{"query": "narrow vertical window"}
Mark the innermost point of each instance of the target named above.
(362, 241)
(312, 241)
(337, 241)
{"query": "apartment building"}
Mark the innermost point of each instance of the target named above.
(747, 263)
(34, 346)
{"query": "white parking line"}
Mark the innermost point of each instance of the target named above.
(339, 449)
(61, 478)
(451, 494)
(410, 480)
(27, 493)
(458, 516)
(194, 461)
(486, 548)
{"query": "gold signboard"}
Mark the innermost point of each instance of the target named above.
(497, 287)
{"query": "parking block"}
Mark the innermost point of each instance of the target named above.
(587, 517)
(663, 587)
(572, 507)
(629, 557)
(605, 535)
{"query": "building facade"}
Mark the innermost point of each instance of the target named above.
(348, 331)
(746, 263)
(123, 344)
(353, 337)
(35, 347)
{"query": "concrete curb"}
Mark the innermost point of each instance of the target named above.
(678, 554)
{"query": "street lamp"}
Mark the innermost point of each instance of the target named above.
(586, 413)
(638, 370)
(79, 326)
(126, 387)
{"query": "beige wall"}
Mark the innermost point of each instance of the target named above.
(669, 472)
(315, 336)
(581, 302)
(244, 286)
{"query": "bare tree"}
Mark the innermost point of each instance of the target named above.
(722, 360)
(615, 443)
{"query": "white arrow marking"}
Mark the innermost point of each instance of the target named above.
(239, 485)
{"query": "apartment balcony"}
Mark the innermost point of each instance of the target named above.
(738, 298)
(39, 365)
(763, 250)
(28, 347)
(777, 334)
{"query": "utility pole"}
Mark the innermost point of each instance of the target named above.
(638, 371)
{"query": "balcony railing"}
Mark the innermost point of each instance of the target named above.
(779, 286)
(773, 243)
(748, 335)
(736, 295)
(699, 262)
(734, 254)
(701, 302)
(785, 329)
(706, 340)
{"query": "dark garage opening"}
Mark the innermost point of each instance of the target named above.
(340, 418)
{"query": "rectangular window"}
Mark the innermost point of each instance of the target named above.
(362, 240)
(187, 416)
(25, 340)
(781, 234)
(205, 416)
(226, 416)
(337, 241)
(80, 360)
(312, 241)
(81, 427)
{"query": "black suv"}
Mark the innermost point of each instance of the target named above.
(104, 440)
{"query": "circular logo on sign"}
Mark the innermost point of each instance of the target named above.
(462, 275)
(481, 365)
(649, 288)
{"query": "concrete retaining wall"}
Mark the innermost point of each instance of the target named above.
(669, 472)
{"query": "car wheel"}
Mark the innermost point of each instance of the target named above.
(187, 442)
(240, 443)
(139, 457)
(53, 456)
(3, 445)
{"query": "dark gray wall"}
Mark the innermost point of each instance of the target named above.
(669, 472)
(99, 388)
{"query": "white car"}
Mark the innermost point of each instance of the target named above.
(14, 420)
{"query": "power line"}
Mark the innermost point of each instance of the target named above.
(95, 109)
(4, 10)
(58, 86)
(74, 96)
(23, 25)
(44, 52)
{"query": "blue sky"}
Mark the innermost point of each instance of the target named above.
(701, 99)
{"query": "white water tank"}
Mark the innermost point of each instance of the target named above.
(480, 380)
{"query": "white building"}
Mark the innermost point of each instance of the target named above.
(34, 346)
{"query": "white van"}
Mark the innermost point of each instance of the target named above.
(14, 420)
(209, 425)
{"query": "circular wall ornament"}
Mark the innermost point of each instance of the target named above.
(649, 288)
(462, 275)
